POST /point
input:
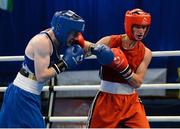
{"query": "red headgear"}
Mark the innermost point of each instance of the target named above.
(136, 17)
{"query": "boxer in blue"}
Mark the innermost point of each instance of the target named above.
(21, 105)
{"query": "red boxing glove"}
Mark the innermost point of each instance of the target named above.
(120, 64)
(79, 39)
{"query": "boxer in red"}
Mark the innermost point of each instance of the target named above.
(117, 104)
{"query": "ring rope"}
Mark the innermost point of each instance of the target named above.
(154, 54)
(96, 87)
(83, 119)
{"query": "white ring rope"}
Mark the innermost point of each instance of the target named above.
(83, 119)
(166, 53)
(155, 54)
(96, 87)
(11, 58)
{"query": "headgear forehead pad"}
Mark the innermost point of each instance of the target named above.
(136, 17)
(63, 22)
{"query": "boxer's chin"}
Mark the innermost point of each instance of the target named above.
(139, 37)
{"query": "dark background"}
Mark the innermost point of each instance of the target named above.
(103, 17)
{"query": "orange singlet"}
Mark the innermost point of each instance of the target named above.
(117, 104)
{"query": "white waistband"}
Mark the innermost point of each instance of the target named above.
(27, 84)
(116, 88)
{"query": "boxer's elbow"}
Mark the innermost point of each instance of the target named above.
(42, 77)
(138, 84)
(135, 83)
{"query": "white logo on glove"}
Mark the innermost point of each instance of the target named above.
(78, 59)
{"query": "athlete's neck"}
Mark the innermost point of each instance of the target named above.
(127, 43)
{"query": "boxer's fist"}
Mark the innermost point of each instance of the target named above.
(121, 64)
(73, 56)
(79, 39)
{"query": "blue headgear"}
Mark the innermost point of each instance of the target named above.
(64, 22)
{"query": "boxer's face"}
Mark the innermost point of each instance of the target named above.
(70, 38)
(139, 32)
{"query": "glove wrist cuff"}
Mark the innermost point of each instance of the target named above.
(126, 73)
(59, 67)
(91, 49)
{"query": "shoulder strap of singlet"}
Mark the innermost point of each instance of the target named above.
(56, 46)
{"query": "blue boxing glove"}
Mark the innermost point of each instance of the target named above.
(73, 56)
(103, 53)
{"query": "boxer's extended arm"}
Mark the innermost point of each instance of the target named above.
(105, 40)
(103, 52)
